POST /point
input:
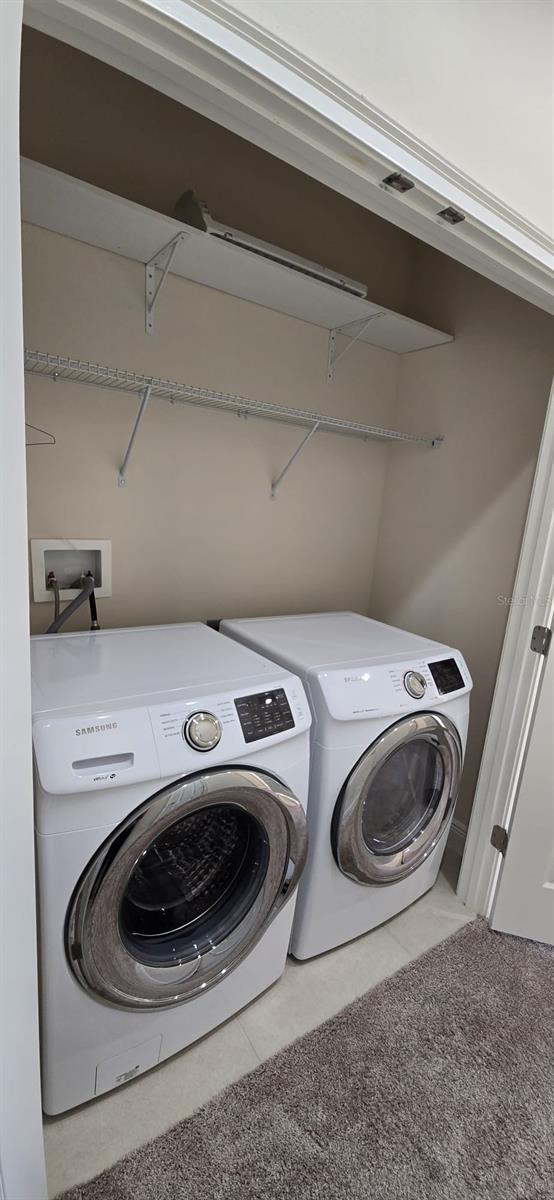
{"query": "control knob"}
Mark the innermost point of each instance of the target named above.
(202, 731)
(415, 684)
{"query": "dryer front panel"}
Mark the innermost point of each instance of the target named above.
(398, 801)
(185, 887)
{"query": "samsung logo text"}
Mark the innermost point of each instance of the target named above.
(96, 728)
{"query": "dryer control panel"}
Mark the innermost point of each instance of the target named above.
(381, 688)
(446, 675)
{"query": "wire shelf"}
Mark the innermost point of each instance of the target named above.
(74, 370)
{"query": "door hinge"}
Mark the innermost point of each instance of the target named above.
(541, 639)
(499, 838)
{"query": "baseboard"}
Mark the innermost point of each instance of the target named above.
(457, 837)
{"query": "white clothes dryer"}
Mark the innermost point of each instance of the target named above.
(171, 770)
(390, 715)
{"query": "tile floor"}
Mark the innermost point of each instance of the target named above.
(88, 1139)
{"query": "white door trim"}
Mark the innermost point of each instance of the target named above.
(205, 56)
(22, 1171)
(517, 685)
(524, 897)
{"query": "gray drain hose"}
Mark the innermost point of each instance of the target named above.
(88, 588)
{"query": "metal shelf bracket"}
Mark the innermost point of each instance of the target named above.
(288, 465)
(161, 261)
(145, 397)
(332, 357)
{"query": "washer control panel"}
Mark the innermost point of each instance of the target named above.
(113, 747)
(219, 725)
(264, 714)
(202, 731)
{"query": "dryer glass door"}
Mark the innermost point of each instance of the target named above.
(398, 800)
(181, 891)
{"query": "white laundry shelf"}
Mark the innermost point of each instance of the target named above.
(74, 370)
(78, 210)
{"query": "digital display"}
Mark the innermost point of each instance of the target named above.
(446, 675)
(264, 714)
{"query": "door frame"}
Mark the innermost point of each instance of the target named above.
(22, 1169)
(516, 690)
(230, 70)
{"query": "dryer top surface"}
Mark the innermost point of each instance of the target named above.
(313, 641)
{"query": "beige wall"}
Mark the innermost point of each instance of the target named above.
(450, 533)
(472, 79)
(195, 534)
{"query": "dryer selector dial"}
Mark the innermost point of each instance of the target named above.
(415, 684)
(202, 731)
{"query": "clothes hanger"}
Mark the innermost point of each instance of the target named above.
(48, 440)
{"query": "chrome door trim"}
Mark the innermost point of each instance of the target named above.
(352, 854)
(98, 957)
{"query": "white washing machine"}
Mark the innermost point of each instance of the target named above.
(171, 772)
(390, 716)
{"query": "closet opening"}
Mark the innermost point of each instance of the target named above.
(362, 437)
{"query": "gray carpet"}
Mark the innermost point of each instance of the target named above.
(436, 1085)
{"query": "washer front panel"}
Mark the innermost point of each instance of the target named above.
(138, 970)
(397, 802)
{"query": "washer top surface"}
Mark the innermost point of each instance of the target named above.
(117, 666)
(314, 641)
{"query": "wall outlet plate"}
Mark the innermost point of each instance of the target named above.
(68, 558)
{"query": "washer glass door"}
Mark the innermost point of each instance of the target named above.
(183, 889)
(398, 800)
